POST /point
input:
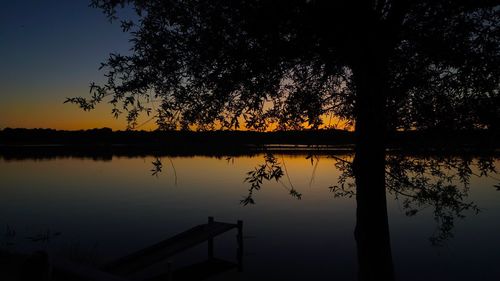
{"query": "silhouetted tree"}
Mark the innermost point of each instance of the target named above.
(380, 64)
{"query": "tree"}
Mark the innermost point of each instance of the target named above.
(381, 64)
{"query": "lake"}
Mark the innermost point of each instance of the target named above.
(95, 210)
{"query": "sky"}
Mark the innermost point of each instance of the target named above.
(50, 50)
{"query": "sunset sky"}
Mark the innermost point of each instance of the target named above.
(50, 50)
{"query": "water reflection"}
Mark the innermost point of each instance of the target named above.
(121, 197)
(441, 182)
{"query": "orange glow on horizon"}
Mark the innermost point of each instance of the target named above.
(60, 116)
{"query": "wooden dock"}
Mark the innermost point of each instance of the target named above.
(149, 264)
(130, 266)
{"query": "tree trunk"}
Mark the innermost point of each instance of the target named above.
(372, 227)
(370, 78)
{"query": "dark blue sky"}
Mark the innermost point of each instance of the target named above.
(50, 50)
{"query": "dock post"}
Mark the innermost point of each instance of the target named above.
(210, 241)
(239, 238)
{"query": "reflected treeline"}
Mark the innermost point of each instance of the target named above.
(107, 152)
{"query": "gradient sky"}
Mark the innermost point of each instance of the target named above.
(50, 50)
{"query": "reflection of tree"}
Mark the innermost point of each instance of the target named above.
(440, 182)
(158, 168)
(269, 170)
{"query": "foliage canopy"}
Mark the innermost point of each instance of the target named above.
(224, 64)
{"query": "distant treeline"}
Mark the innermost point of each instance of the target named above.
(107, 137)
(104, 144)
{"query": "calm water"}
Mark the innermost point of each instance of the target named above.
(105, 209)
